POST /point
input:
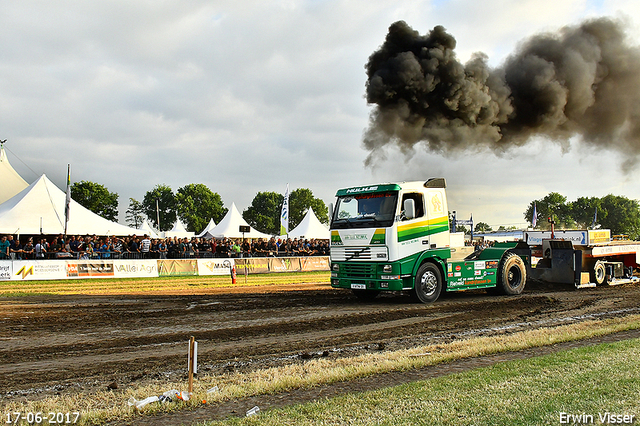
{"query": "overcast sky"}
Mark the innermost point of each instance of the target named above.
(247, 96)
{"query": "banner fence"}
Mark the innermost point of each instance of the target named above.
(59, 269)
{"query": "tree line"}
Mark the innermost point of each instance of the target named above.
(195, 205)
(618, 213)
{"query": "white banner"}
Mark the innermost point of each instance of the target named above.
(5, 270)
(39, 270)
(135, 268)
(215, 266)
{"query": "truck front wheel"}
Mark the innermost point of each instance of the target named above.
(428, 284)
(512, 274)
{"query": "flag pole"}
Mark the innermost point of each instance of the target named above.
(67, 201)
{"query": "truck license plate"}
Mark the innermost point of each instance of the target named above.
(359, 286)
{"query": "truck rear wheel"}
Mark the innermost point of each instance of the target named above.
(512, 274)
(428, 284)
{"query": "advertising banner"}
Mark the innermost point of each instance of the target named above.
(6, 267)
(284, 264)
(534, 238)
(253, 265)
(597, 236)
(39, 270)
(135, 268)
(214, 266)
(90, 269)
(314, 263)
(177, 267)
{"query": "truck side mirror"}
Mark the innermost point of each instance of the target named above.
(409, 208)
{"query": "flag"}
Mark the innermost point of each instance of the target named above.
(68, 200)
(534, 220)
(284, 216)
(595, 218)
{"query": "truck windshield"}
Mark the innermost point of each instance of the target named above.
(365, 210)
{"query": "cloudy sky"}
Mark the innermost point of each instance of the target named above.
(247, 96)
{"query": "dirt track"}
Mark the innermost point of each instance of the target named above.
(80, 343)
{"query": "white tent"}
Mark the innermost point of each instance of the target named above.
(178, 231)
(146, 228)
(310, 227)
(39, 208)
(229, 226)
(205, 233)
(11, 182)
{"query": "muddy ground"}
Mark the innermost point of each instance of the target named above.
(53, 344)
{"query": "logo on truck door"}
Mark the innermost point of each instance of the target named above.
(436, 203)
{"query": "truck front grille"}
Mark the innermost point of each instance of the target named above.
(359, 271)
(342, 254)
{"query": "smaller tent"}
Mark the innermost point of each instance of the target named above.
(310, 227)
(11, 183)
(178, 231)
(146, 228)
(205, 233)
(229, 226)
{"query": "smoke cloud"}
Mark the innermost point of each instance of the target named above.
(583, 80)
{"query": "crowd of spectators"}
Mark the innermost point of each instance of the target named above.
(143, 247)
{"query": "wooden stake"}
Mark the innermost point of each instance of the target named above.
(191, 358)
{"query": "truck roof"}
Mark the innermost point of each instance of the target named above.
(393, 186)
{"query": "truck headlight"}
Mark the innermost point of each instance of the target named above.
(335, 267)
(387, 268)
(389, 277)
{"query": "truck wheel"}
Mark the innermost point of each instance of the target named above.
(512, 274)
(366, 294)
(428, 284)
(599, 273)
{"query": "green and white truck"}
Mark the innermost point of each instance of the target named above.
(395, 237)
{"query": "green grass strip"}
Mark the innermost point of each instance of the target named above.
(587, 383)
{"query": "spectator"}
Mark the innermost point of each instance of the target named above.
(28, 250)
(15, 248)
(162, 249)
(134, 249)
(4, 247)
(236, 249)
(246, 248)
(40, 249)
(145, 246)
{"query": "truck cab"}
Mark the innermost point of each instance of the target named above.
(395, 237)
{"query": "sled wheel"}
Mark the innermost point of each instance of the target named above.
(599, 273)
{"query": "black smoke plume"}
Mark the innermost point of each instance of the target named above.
(583, 80)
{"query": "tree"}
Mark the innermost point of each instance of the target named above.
(166, 202)
(621, 215)
(196, 204)
(134, 215)
(264, 212)
(96, 198)
(583, 211)
(482, 227)
(553, 205)
(300, 201)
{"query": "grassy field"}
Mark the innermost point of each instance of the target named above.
(151, 285)
(582, 386)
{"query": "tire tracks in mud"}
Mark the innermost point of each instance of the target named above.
(66, 340)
